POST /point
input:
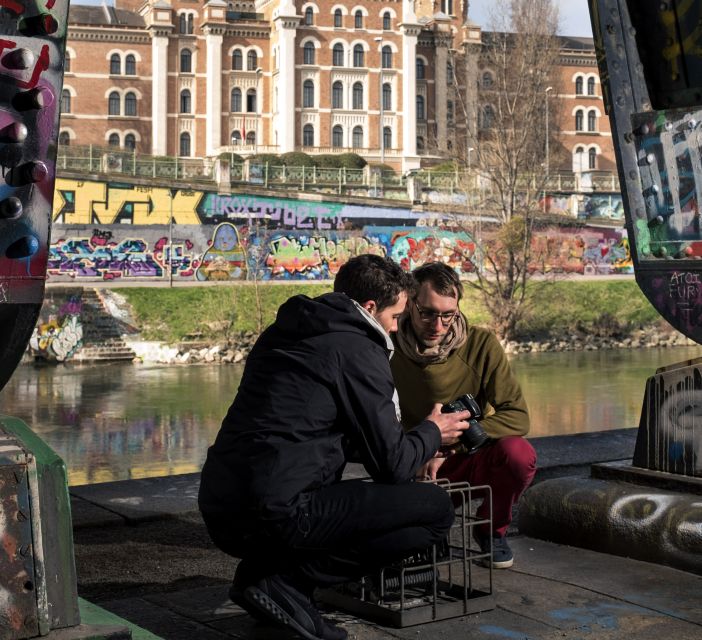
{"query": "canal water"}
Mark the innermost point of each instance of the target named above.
(121, 421)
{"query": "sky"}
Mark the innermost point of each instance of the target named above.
(575, 15)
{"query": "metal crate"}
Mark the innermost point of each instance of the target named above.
(446, 581)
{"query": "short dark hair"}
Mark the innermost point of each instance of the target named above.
(442, 278)
(369, 277)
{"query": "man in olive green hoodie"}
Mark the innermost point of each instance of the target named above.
(439, 357)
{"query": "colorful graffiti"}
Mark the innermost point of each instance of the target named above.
(111, 231)
(62, 334)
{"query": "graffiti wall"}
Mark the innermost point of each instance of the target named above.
(124, 232)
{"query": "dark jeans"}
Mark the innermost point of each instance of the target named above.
(340, 532)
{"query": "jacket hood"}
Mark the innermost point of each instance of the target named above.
(305, 317)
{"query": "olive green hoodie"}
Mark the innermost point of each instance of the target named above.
(479, 367)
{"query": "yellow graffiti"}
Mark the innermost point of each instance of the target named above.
(79, 202)
(690, 42)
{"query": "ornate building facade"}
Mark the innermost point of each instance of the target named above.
(380, 78)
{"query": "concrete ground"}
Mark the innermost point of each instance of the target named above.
(143, 554)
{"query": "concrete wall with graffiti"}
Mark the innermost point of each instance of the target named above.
(122, 232)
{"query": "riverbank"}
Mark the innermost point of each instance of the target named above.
(236, 350)
(220, 324)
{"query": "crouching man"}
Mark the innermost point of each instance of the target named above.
(316, 387)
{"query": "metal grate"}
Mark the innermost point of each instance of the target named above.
(446, 581)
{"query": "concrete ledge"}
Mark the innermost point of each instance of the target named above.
(627, 473)
(620, 518)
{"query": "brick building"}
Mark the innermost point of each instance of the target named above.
(381, 78)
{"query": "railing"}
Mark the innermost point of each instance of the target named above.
(93, 159)
(111, 160)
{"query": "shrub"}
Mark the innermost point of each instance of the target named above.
(263, 158)
(385, 168)
(351, 161)
(297, 159)
(445, 167)
(234, 157)
(328, 161)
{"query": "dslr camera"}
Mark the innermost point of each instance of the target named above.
(474, 437)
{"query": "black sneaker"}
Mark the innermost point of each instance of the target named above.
(281, 603)
(242, 580)
(502, 556)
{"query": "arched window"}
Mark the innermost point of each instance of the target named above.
(357, 137)
(237, 60)
(387, 21)
(338, 20)
(183, 23)
(308, 136)
(308, 93)
(337, 136)
(235, 101)
(130, 65)
(420, 69)
(579, 120)
(358, 57)
(251, 100)
(488, 116)
(250, 137)
(449, 73)
(387, 138)
(386, 58)
(64, 139)
(338, 55)
(447, 7)
(65, 101)
(236, 137)
(191, 25)
(130, 104)
(251, 61)
(113, 140)
(357, 95)
(420, 107)
(130, 141)
(67, 64)
(487, 80)
(579, 159)
(309, 16)
(591, 86)
(308, 53)
(185, 105)
(186, 61)
(337, 95)
(592, 159)
(115, 64)
(579, 86)
(387, 97)
(358, 20)
(113, 104)
(592, 120)
(420, 143)
(184, 147)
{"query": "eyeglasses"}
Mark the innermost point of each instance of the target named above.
(425, 315)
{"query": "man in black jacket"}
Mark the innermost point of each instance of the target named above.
(317, 386)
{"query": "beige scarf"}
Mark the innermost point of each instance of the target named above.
(409, 345)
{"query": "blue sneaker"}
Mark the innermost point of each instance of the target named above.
(502, 556)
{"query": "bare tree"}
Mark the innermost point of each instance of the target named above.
(503, 144)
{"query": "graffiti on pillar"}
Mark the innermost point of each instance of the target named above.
(62, 334)
(225, 259)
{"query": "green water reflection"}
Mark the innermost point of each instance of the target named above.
(115, 422)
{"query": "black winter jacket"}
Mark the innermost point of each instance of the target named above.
(316, 386)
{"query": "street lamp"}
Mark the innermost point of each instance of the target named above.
(259, 70)
(379, 40)
(548, 89)
(469, 150)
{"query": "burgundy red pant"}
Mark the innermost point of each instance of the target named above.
(507, 465)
